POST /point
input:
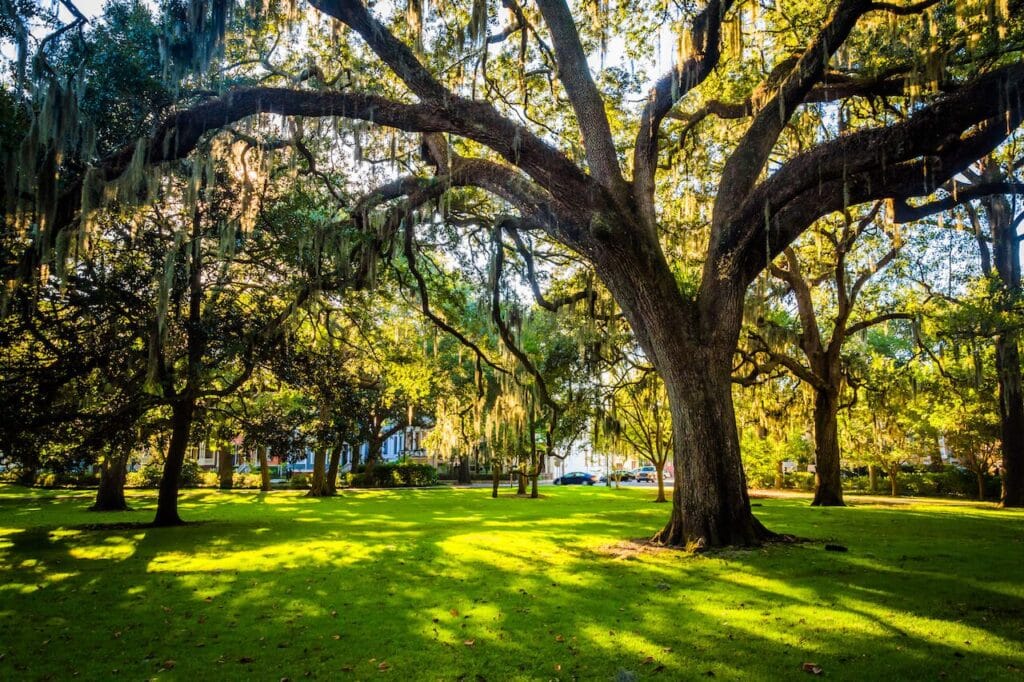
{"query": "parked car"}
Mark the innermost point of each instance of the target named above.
(622, 475)
(646, 474)
(576, 478)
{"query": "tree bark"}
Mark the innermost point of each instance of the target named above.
(113, 472)
(264, 470)
(828, 491)
(464, 477)
(521, 475)
(332, 471)
(1006, 257)
(894, 480)
(872, 478)
(692, 349)
(1011, 418)
(660, 468)
(780, 476)
(981, 485)
(182, 415)
(495, 480)
(225, 469)
(318, 486)
(710, 503)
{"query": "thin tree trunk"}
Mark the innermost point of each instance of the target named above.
(182, 415)
(495, 480)
(225, 469)
(780, 476)
(1011, 419)
(660, 468)
(828, 491)
(1006, 257)
(318, 486)
(872, 478)
(894, 481)
(981, 485)
(521, 474)
(264, 470)
(332, 471)
(113, 472)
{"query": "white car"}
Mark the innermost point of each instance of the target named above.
(646, 474)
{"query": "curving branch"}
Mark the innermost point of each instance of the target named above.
(910, 158)
(746, 162)
(586, 101)
(705, 37)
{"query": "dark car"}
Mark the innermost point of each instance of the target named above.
(622, 475)
(576, 478)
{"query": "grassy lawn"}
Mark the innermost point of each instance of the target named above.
(450, 584)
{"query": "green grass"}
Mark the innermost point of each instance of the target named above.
(450, 584)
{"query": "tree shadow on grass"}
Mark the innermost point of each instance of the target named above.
(447, 584)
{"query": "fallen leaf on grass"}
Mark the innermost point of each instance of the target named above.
(168, 664)
(384, 665)
(455, 613)
(559, 638)
(812, 668)
(647, 661)
(470, 642)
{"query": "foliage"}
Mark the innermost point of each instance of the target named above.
(405, 475)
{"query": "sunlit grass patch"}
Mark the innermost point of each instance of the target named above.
(444, 584)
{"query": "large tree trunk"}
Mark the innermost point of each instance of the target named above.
(780, 475)
(264, 469)
(225, 469)
(872, 478)
(182, 415)
(894, 480)
(981, 484)
(521, 475)
(113, 472)
(318, 486)
(691, 344)
(463, 474)
(332, 471)
(710, 506)
(828, 490)
(1011, 416)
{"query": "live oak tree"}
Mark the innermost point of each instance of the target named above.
(827, 282)
(595, 182)
(984, 201)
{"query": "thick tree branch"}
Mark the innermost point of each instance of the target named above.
(910, 158)
(871, 322)
(587, 103)
(705, 37)
(747, 161)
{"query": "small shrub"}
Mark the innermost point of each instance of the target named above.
(249, 481)
(801, 480)
(209, 479)
(393, 475)
(299, 482)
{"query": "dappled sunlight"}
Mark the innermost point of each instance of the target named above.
(283, 555)
(507, 589)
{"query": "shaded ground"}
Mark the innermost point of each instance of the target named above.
(450, 584)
